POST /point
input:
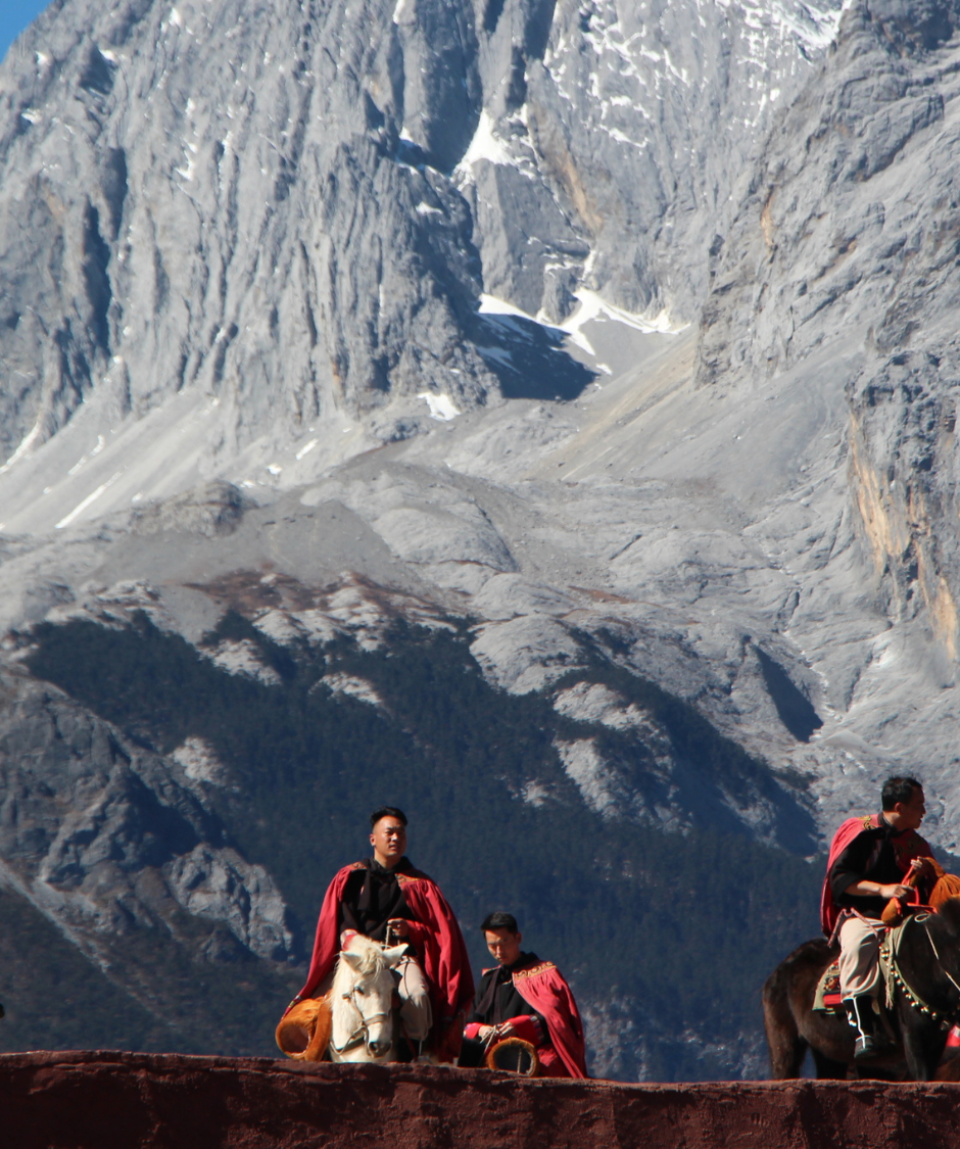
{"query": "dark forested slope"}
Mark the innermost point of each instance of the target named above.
(666, 936)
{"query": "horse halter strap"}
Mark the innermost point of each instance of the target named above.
(359, 1035)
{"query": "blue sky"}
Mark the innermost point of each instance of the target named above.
(15, 15)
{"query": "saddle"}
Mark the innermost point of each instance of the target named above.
(828, 998)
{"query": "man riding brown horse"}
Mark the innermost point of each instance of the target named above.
(872, 859)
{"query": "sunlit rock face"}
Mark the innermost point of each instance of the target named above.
(294, 210)
(839, 281)
(104, 838)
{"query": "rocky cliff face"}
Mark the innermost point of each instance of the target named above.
(610, 345)
(103, 837)
(840, 279)
(294, 211)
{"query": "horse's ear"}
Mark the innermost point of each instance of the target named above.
(393, 956)
(353, 960)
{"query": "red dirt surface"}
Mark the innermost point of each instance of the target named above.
(97, 1100)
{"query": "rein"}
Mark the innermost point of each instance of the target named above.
(943, 968)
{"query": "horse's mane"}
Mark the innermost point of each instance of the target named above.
(372, 961)
(947, 918)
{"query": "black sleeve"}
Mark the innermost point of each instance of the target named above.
(850, 866)
(346, 917)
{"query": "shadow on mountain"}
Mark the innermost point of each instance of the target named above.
(707, 779)
(793, 707)
(529, 358)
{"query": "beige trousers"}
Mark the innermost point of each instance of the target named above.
(859, 946)
(416, 1012)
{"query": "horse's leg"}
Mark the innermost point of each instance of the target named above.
(916, 1061)
(923, 1042)
(787, 1047)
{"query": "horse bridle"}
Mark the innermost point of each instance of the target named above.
(360, 1035)
(944, 1018)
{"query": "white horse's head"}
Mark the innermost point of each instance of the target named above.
(362, 999)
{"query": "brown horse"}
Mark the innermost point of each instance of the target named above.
(926, 1003)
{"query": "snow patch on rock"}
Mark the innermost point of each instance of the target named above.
(597, 782)
(243, 657)
(200, 762)
(359, 688)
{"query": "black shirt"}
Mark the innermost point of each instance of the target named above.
(498, 999)
(372, 896)
(871, 857)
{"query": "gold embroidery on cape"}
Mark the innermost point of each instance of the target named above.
(541, 968)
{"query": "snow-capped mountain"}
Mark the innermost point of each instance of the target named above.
(612, 341)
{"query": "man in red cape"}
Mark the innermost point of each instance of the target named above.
(870, 858)
(384, 893)
(528, 998)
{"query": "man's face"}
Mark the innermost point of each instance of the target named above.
(504, 945)
(389, 841)
(912, 812)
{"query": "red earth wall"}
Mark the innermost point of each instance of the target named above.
(103, 1100)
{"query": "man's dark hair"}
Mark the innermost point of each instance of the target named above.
(898, 789)
(387, 812)
(499, 920)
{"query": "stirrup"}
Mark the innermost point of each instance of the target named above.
(867, 1046)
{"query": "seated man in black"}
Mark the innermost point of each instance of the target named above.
(527, 998)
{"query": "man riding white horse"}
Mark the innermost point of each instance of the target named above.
(870, 860)
(386, 899)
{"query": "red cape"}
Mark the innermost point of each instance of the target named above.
(545, 989)
(906, 846)
(435, 935)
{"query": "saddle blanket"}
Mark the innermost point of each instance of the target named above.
(827, 998)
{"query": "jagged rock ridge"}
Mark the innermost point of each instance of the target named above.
(271, 210)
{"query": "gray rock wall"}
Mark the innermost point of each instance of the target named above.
(263, 202)
(106, 839)
(210, 196)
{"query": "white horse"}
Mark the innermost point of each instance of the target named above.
(362, 1001)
